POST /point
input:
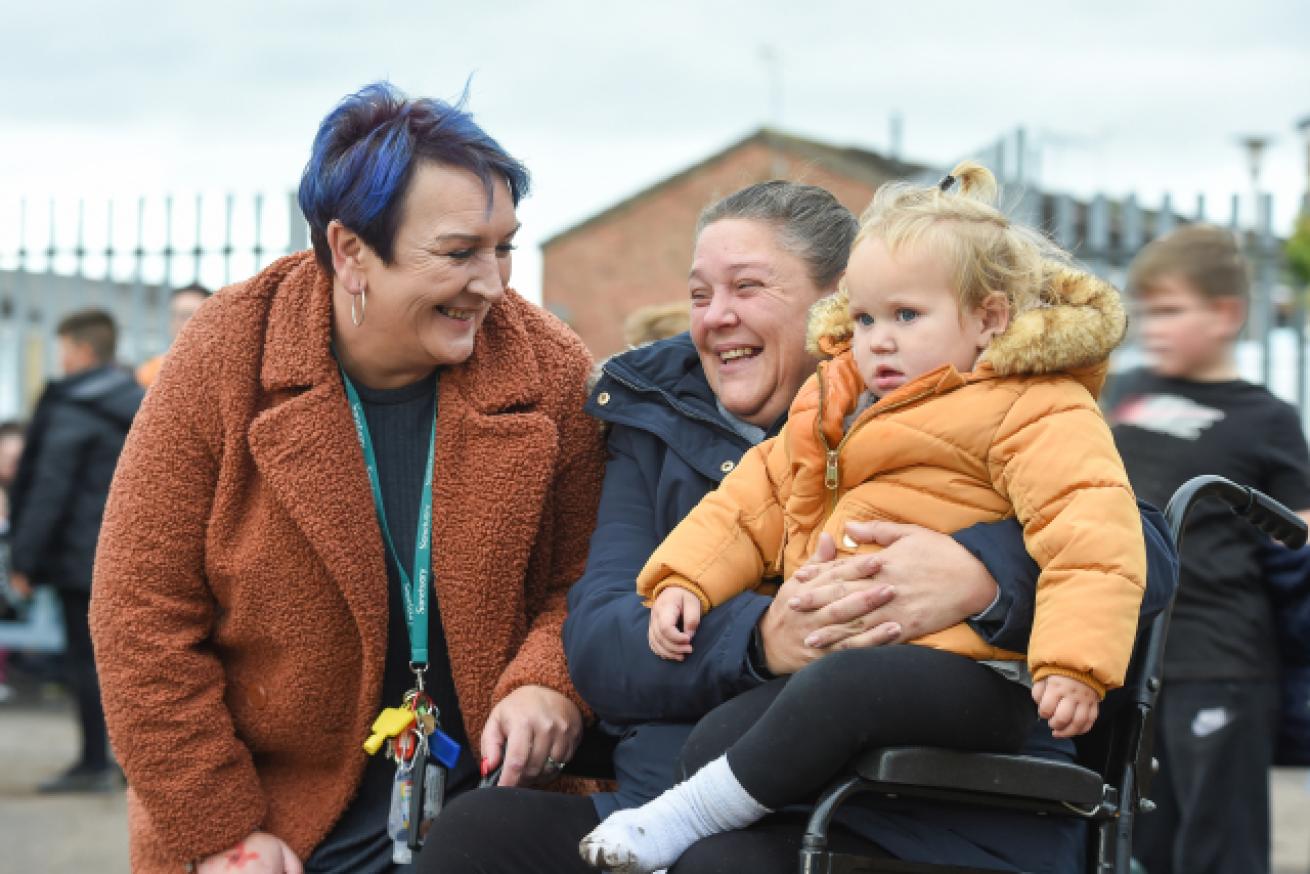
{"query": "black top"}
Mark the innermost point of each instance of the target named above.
(59, 492)
(399, 421)
(1170, 430)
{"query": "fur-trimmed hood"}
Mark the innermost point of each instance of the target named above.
(1079, 320)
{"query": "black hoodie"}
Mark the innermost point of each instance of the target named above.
(59, 492)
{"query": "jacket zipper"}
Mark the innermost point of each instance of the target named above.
(832, 457)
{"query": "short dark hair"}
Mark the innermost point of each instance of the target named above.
(365, 153)
(810, 223)
(193, 288)
(1206, 257)
(93, 327)
(12, 428)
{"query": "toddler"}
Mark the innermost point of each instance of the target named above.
(967, 359)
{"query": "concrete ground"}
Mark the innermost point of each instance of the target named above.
(67, 834)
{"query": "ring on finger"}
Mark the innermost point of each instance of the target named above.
(552, 766)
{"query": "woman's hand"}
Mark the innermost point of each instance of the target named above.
(261, 853)
(785, 628)
(921, 582)
(935, 583)
(529, 725)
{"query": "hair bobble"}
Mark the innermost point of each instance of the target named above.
(947, 181)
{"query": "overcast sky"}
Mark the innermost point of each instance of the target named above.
(603, 98)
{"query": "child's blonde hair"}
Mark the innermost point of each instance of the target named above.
(985, 252)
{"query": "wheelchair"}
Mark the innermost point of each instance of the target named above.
(1109, 783)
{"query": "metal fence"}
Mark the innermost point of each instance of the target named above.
(56, 257)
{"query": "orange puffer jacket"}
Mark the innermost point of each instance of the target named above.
(1020, 436)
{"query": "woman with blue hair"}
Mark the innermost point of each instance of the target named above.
(346, 519)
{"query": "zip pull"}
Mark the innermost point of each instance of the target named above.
(831, 478)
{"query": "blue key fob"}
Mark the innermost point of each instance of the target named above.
(444, 748)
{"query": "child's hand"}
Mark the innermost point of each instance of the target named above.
(1069, 706)
(672, 605)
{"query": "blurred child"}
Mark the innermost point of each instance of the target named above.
(60, 488)
(1188, 414)
(968, 356)
(656, 322)
(182, 305)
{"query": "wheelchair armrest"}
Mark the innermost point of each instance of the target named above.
(907, 768)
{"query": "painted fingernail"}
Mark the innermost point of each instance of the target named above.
(486, 766)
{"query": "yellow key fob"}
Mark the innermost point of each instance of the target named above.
(390, 722)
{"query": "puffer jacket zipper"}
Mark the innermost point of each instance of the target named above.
(832, 457)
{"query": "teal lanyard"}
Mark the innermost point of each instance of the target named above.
(413, 585)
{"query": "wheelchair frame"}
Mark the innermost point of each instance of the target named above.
(1109, 784)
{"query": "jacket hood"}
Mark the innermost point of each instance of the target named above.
(661, 389)
(1079, 320)
(107, 391)
(660, 365)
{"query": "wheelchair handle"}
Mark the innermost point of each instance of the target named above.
(1259, 509)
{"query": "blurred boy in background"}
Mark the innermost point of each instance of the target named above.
(58, 501)
(1184, 415)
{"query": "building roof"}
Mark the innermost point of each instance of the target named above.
(857, 163)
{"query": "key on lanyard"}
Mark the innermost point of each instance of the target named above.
(417, 815)
(399, 820)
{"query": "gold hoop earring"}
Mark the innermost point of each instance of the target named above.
(358, 320)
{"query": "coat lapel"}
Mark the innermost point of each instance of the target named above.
(305, 448)
(496, 454)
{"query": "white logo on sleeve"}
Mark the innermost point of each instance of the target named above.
(1210, 720)
(1168, 414)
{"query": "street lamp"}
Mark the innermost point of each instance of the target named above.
(1255, 151)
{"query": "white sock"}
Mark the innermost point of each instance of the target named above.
(653, 836)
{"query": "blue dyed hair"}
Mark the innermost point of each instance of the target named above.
(365, 153)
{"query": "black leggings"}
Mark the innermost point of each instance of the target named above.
(511, 831)
(786, 752)
(787, 739)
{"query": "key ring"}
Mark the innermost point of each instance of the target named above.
(420, 743)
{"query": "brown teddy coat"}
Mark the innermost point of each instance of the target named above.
(1021, 436)
(239, 606)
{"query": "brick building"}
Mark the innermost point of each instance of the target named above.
(638, 251)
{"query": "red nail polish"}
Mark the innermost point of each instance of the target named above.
(486, 769)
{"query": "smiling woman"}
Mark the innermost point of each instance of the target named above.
(763, 256)
(450, 263)
(363, 473)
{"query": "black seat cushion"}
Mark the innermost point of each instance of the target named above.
(989, 773)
